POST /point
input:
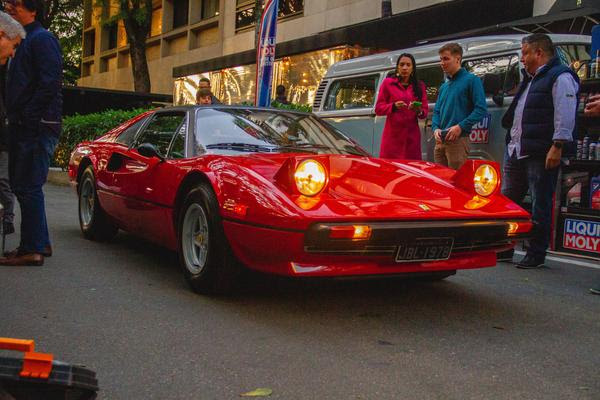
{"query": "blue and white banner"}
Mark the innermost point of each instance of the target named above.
(265, 53)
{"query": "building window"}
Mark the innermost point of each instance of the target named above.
(180, 13)
(210, 8)
(244, 15)
(112, 31)
(156, 22)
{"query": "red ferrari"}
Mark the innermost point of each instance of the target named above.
(285, 193)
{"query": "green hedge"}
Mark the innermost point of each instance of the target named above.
(78, 128)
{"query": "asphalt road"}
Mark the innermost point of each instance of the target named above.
(123, 310)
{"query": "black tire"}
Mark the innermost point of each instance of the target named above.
(93, 221)
(206, 259)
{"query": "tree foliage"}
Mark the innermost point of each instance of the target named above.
(64, 18)
(137, 17)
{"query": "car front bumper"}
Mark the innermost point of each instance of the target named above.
(313, 253)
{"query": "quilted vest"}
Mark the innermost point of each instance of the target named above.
(538, 114)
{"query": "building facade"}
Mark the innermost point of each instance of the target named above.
(216, 39)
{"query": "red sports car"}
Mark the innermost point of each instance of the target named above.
(285, 193)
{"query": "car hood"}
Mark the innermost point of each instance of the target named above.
(375, 189)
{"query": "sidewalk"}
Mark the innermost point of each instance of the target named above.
(57, 176)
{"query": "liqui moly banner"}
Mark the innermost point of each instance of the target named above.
(582, 235)
(265, 53)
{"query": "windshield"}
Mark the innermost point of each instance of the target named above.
(233, 130)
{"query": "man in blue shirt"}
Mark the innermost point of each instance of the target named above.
(33, 110)
(459, 106)
(540, 123)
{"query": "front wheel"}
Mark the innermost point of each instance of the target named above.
(93, 221)
(206, 259)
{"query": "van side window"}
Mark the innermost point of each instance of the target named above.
(575, 56)
(351, 93)
(432, 77)
(504, 70)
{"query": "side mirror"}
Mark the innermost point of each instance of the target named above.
(149, 150)
(492, 85)
(498, 99)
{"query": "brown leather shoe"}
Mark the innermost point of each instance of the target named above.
(17, 252)
(30, 259)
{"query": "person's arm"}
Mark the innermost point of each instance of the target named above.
(479, 105)
(564, 98)
(47, 65)
(424, 102)
(384, 106)
(435, 119)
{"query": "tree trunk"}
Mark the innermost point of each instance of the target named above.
(139, 67)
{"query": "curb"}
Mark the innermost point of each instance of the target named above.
(57, 176)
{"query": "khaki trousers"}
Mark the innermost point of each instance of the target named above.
(452, 154)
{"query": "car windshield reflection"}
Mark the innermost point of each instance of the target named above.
(224, 131)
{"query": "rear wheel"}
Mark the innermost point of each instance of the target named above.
(205, 256)
(93, 221)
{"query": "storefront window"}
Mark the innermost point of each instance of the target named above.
(300, 74)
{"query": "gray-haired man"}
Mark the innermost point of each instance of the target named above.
(11, 33)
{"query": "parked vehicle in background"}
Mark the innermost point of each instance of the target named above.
(346, 95)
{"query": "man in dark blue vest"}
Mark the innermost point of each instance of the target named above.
(540, 120)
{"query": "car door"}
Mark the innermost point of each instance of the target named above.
(147, 185)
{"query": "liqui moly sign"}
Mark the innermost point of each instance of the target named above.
(480, 133)
(582, 235)
(265, 53)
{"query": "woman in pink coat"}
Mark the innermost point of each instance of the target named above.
(402, 99)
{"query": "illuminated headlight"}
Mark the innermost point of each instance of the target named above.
(485, 180)
(310, 177)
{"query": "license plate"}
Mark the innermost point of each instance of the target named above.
(425, 249)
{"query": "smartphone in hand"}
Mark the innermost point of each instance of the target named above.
(443, 134)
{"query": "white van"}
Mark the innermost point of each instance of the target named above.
(346, 95)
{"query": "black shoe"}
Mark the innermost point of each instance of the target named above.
(8, 228)
(505, 256)
(595, 290)
(530, 262)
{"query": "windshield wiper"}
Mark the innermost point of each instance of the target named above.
(242, 147)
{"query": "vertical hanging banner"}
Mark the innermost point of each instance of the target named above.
(265, 53)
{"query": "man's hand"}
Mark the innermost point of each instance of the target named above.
(438, 135)
(553, 157)
(400, 104)
(453, 133)
(592, 107)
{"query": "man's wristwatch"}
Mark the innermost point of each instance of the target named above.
(558, 145)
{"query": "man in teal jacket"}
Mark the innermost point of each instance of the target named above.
(459, 106)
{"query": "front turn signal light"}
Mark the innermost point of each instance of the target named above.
(310, 177)
(485, 180)
(354, 232)
(516, 228)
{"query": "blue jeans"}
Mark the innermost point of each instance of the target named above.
(28, 167)
(530, 174)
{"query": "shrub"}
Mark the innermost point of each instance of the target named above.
(78, 128)
(293, 107)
